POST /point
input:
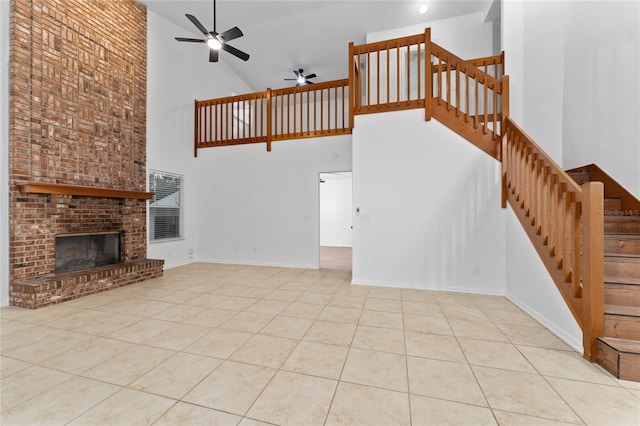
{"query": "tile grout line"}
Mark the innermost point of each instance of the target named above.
(355, 330)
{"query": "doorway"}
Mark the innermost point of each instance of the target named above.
(336, 230)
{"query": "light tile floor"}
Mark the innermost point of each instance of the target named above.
(225, 344)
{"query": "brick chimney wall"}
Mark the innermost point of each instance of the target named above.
(78, 117)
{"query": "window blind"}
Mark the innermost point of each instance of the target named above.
(165, 209)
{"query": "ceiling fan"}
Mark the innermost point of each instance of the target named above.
(302, 79)
(214, 40)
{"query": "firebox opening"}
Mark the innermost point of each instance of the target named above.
(75, 252)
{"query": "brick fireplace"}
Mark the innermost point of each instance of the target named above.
(77, 120)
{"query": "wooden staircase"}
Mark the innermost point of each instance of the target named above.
(618, 349)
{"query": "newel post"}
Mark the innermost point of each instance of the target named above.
(353, 88)
(428, 74)
(504, 168)
(196, 126)
(505, 101)
(593, 269)
(269, 115)
(504, 143)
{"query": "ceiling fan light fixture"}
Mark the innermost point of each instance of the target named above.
(300, 79)
(214, 43)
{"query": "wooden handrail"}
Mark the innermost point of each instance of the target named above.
(565, 223)
(496, 61)
(467, 67)
(480, 104)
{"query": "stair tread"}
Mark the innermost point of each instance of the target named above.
(622, 345)
(622, 310)
(622, 280)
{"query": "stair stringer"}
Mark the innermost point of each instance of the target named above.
(464, 127)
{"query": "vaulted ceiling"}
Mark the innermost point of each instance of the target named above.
(284, 35)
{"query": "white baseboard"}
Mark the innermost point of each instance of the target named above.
(178, 264)
(252, 263)
(559, 332)
(423, 286)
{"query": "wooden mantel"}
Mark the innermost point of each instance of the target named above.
(85, 191)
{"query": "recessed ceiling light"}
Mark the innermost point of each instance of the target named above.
(423, 8)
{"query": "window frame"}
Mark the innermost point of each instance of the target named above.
(152, 175)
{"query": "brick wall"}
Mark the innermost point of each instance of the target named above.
(77, 116)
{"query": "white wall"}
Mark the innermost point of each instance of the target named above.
(530, 286)
(601, 87)
(177, 74)
(512, 36)
(530, 37)
(4, 153)
(242, 204)
(542, 101)
(258, 207)
(429, 203)
(467, 36)
(575, 79)
(336, 196)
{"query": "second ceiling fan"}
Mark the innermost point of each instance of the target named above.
(302, 79)
(215, 40)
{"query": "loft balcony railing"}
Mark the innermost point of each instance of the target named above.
(273, 115)
(392, 75)
(413, 72)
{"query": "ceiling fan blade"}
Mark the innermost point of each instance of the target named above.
(197, 23)
(213, 55)
(292, 79)
(296, 73)
(232, 34)
(308, 82)
(238, 53)
(192, 40)
(311, 76)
